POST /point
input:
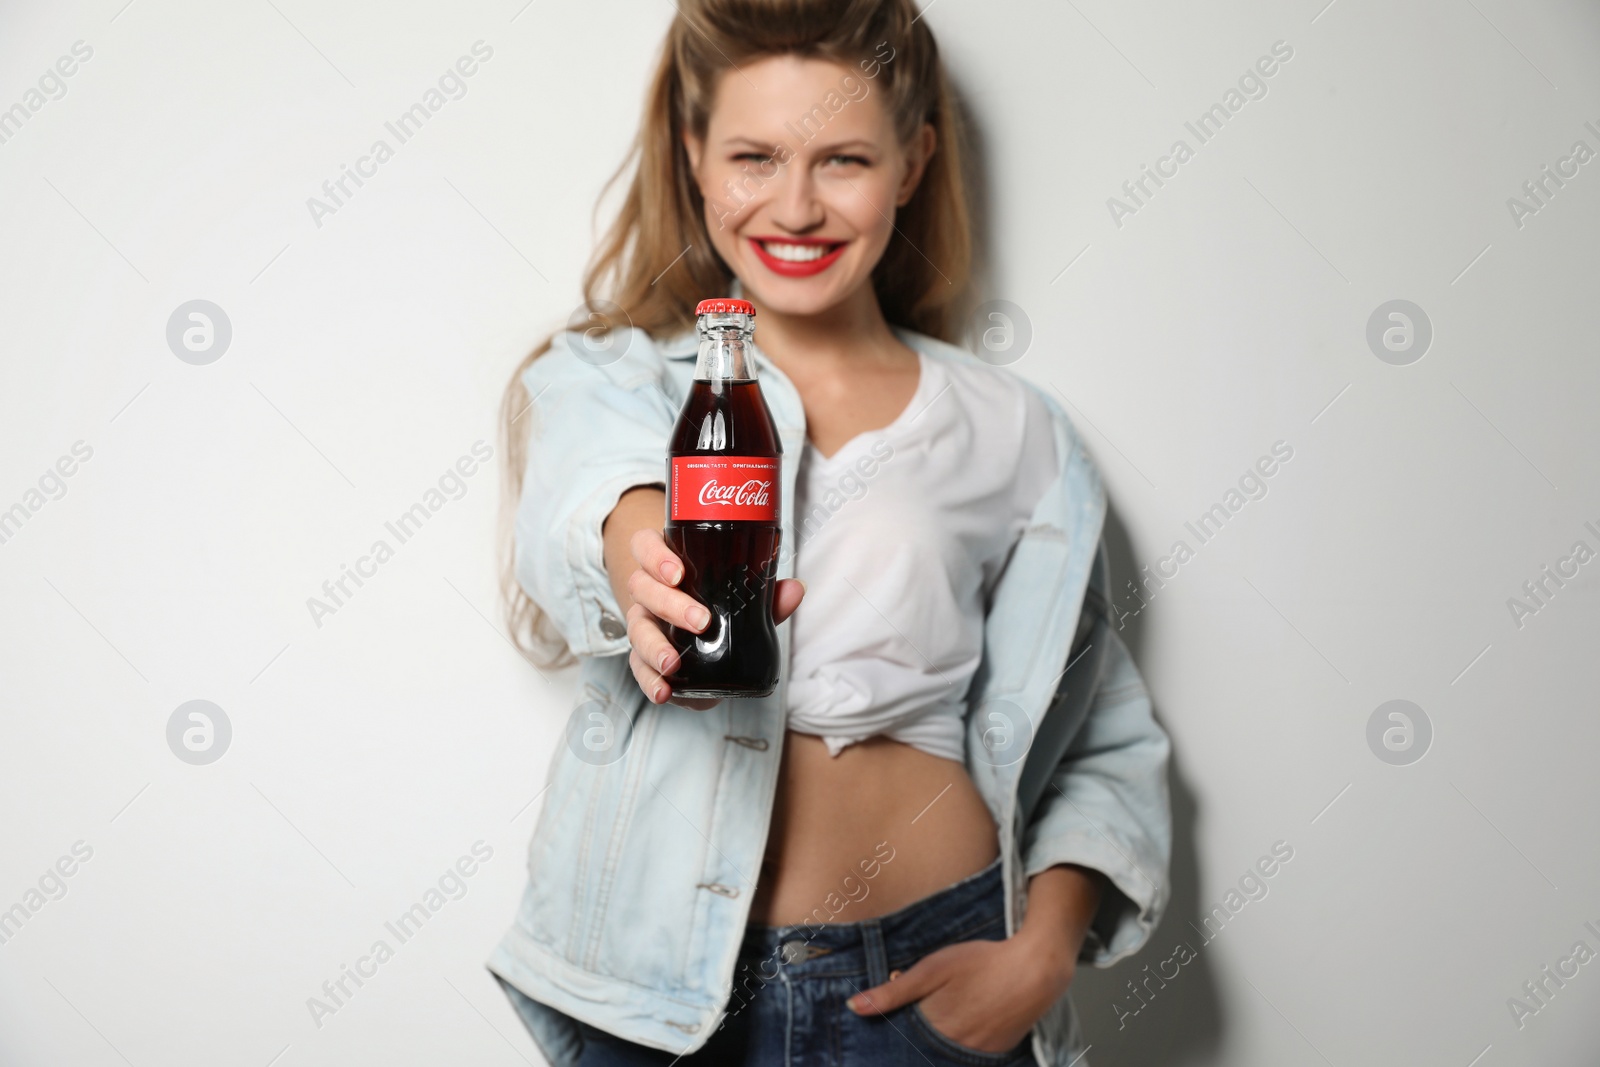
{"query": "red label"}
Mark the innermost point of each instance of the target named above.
(713, 488)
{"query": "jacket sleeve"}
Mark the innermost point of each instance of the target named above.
(599, 428)
(1106, 807)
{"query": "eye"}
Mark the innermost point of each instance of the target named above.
(753, 157)
(845, 160)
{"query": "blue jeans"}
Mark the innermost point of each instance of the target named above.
(788, 1010)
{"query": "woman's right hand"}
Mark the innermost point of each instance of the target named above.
(657, 602)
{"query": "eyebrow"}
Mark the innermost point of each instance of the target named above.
(764, 146)
(842, 146)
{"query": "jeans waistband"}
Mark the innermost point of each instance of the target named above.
(954, 913)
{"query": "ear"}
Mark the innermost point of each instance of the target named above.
(694, 147)
(918, 153)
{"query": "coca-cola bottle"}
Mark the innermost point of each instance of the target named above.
(722, 513)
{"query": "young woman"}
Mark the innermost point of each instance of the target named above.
(901, 855)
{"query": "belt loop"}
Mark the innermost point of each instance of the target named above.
(877, 958)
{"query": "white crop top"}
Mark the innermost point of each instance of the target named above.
(900, 537)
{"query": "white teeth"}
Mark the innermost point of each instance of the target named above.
(795, 253)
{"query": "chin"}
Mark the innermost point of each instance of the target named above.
(787, 297)
(797, 296)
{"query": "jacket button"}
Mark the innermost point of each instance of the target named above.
(611, 626)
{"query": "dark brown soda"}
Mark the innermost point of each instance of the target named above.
(729, 566)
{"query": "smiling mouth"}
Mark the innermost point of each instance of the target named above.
(797, 257)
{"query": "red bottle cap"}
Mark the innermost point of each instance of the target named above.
(725, 307)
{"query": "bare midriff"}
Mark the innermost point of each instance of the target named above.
(866, 832)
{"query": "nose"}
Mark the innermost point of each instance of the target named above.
(795, 205)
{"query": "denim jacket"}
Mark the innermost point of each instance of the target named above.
(655, 817)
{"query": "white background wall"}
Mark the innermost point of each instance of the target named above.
(367, 353)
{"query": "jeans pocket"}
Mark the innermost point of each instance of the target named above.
(953, 1051)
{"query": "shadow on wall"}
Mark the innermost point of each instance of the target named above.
(1159, 1007)
(1171, 1021)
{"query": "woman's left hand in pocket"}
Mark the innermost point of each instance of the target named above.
(983, 994)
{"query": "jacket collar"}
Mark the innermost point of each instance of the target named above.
(683, 346)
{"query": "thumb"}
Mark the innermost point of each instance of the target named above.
(901, 989)
(786, 598)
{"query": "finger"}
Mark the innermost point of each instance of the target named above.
(655, 689)
(787, 597)
(655, 557)
(650, 644)
(659, 691)
(666, 603)
(694, 703)
(897, 992)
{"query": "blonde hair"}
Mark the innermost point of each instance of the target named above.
(921, 282)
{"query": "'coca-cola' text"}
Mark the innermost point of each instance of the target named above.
(723, 488)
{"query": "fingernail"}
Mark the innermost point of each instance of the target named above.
(661, 664)
(700, 617)
(854, 1003)
(893, 975)
(671, 572)
(660, 694)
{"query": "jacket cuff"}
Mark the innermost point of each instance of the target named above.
(1132, 903)
(576, 596)
(605, 630)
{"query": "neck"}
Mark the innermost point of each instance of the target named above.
(848, 331)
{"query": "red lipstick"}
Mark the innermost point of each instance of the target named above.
(804, 268)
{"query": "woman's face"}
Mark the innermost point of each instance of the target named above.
(801, 174)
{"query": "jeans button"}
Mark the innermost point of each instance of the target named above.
(611, 627)
(793, 951)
